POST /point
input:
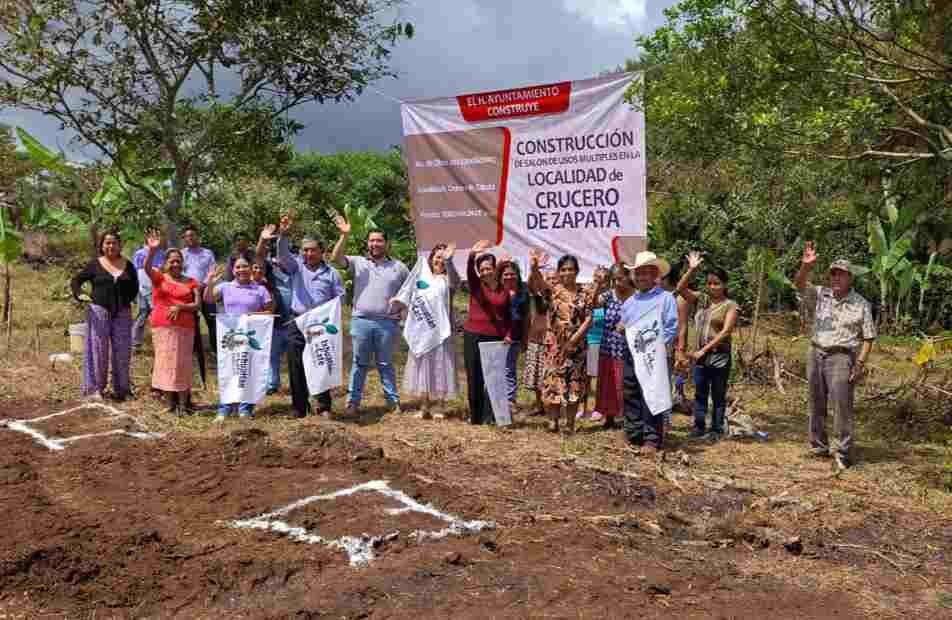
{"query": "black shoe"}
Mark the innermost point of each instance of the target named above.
(696, 434)
(173, 400)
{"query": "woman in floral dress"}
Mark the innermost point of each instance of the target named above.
(570, 315)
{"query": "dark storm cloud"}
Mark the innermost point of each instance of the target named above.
(459, 47)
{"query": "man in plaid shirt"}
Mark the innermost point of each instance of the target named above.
(841, 338)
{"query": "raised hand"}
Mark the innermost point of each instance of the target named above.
(342, 224)
(449, 251)
(153, 239)
(600, 277)
(538, 258)
(694, 260)
(268, 232)
(482, 246)
(809, 254)
(216, 274)
(505, 257)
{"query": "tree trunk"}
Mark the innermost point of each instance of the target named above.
(757, 302)
(6, 292)
(172, 207)
(93, 238)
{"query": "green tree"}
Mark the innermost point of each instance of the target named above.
(184, 75)
(360, 185)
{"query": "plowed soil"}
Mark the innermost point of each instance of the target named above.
(120, 527)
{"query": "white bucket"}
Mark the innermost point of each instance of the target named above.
(77, 337)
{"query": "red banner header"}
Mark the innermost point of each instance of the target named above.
(530, 101)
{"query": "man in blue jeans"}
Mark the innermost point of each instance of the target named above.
(375, 322)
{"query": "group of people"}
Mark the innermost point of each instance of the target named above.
(572, 335)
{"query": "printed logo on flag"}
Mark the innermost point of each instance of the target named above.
(643, 344)
(237, 343)
(323, 351)
(322, 348)
(420, 307)
(244, 356)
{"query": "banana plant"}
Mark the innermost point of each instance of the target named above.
(361, 220)
(11, 248)
(39, 215)
(891, 265)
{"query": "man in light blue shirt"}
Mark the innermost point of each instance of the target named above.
(644, 431)
(145, 292)
(313, 283)
(199, 263)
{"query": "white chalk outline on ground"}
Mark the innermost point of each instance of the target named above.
(360, 548)
(59, 443)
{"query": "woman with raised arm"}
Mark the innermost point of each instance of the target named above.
(242, 295)
(432, 375)
(175, 299)
(115, 286)
(714, 321)
(570, 316)
(609, 400)
(489, 320)
(510, 280)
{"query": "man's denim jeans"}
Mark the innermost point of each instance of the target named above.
(373, 339)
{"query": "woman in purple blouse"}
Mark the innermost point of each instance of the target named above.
(240, 296)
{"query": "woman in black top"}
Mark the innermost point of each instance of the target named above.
(109, 318)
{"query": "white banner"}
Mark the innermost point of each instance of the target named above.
(559, 166)
(244, 356)
(427, 298)
(324, 351)
(493, 358)
(650, 356)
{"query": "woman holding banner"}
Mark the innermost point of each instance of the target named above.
(489, 321)
(432, 375)
(175, 300)
(242, 295)
(570, 315)
(609, 399)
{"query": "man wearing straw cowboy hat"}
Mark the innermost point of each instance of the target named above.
(644, 430)
(841, 339)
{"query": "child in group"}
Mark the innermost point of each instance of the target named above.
(594, 339)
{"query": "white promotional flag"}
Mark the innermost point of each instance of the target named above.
(646, 343)
(427, 298)
(324, 352)
(244, 356)
(493, 356)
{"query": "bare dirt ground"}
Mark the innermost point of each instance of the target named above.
(120, 527)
